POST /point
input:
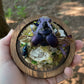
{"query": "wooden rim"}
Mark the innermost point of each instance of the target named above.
(39, 74)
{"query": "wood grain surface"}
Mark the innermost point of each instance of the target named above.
(35, 73)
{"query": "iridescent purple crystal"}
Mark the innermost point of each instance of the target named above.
(52, 40)
(36, 39)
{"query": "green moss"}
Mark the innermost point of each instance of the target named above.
(45, 48)
(50, 60)
(56, 63)
(30, 34)
(34, 62)
(60, 56)
(54, 53)
(23, 44)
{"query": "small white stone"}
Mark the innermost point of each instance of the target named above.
(39, 54)
(32, 26)
(62, 32)
(23, 43)
(55, 30)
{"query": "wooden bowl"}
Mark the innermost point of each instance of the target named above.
(28, 68)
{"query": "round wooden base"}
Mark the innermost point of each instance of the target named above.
(36, 73)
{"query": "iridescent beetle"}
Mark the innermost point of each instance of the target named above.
(44, 34)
